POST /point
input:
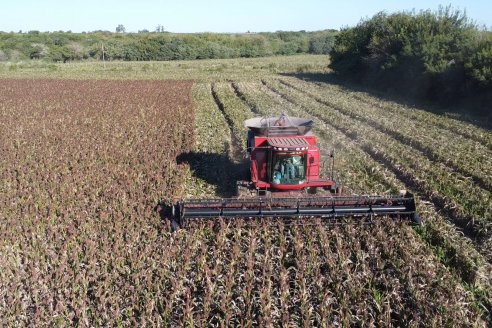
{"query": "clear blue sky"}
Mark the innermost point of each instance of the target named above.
(211, 15)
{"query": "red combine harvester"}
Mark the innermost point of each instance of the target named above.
(285, 182)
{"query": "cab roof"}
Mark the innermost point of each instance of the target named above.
(288, 142)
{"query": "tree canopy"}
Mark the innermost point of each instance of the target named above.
(438, 55)
(159, 45)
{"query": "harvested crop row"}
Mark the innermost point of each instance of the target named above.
(211, 126)
(471, 204)
(83, 165)
(361, 173)
(234, 110)
(440, 121)
(217, 161)
(209, 162)
(467, 157)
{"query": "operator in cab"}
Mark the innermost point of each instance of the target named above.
(288, 169)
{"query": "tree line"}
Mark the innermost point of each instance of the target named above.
(67, 46)
(441, 56)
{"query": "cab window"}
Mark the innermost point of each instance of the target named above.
(288, 168)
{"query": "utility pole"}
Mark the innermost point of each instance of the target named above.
(104, 60)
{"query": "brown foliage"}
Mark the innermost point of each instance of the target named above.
(82, 165)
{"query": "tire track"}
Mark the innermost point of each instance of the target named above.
(241, 96)
(425, 150)
(235, 151)
(407, 178)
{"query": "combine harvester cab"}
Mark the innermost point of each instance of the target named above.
(285, 183)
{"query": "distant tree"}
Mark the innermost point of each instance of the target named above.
(61, 54)
(440, 56)
(3, 56)
(321, 43)
(59, 41)
(120, 28)
(35, 51)
(63, 46)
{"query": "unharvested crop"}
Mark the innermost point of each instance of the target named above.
(83, 165)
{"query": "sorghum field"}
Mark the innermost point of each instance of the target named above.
(86, 160)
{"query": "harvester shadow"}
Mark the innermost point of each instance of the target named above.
(462, 111)
(216, 169)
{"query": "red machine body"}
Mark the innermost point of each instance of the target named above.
(270, 156)
(284, 155)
